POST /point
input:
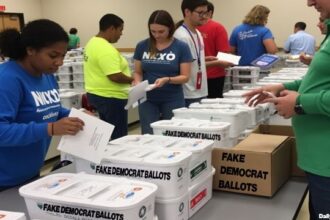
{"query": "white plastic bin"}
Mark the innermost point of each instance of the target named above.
(70, 99)
(200, 162)
(231, 101)
(78, 76)
(168, 169)
(249, 71)
(65, 85)
(234, 93)
(83, 196)
(78, 67)
(245, 79)
(200, 193)
(172, 209)
(80, 85)
(237, 118)
(65, 68)
(194, 128)
(5, 215)
(64, 77)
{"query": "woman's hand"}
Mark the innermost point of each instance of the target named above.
(259, 95)
(161, 81)
(68, 125)
(285, 103)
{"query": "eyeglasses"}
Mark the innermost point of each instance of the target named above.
(202, 13)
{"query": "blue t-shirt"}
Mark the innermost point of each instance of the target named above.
(248, 40)
(27, 104)
(165, 64)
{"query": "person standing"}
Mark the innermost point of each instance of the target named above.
(74, 39)
(252, 39)
(300, 41)
(164, 61)
(215, 40)
(195, 14)
(307, 59)
(307, 102)
(107, 74)
(31, 112)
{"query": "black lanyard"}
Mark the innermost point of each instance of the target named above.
(198, 49)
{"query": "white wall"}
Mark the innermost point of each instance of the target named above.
(30, 8)
(85, 15)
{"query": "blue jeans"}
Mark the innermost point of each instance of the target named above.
(319, 195)
(189, 101)
(112, 111)
(150, 112)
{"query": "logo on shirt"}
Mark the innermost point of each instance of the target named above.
(45, 97)
(163, 57)
(246, 34)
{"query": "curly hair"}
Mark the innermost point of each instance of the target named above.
(257, 16)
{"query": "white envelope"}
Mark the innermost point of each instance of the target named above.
(228, 57)
(89, 143)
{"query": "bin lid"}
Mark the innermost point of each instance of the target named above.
(99, 192)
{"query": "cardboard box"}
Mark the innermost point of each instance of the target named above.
(258, 165)
(286, 131)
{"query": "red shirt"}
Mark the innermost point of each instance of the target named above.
(215, 39)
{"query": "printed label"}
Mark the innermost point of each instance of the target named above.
(198, 198)
(197, 170)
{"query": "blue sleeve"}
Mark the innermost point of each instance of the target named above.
(63, 113)
(287, 44)
(12, 133)
(267, 34)
(186, 56)
(139, 49)
(233, 38)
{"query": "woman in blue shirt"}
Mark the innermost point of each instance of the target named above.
(29, 99)
(252, 39)
(165, 62)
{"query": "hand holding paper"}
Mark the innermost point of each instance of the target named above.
(91, 141)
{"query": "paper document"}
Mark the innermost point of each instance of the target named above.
(150, 87)
(89, 143)
(137, 94)
(228, 57)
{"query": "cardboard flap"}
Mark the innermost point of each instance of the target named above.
(275, 130)
(261, 143)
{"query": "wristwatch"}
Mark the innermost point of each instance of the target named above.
(298, 108)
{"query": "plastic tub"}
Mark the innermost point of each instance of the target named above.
(245, 79)
(83, 196)
(65, 85)
(237, 118)
(231, 101)
(5, 215)
(200, 193)
(200, 162)
(78, 84)
(65, 68)
(234, 93)
(250, 71)
(198, 129)
(77, 67)
(168, 169)
(78, 76)
(64, 77)
(70, 99)
(172, 209)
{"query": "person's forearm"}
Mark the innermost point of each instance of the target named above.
(120, 78)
